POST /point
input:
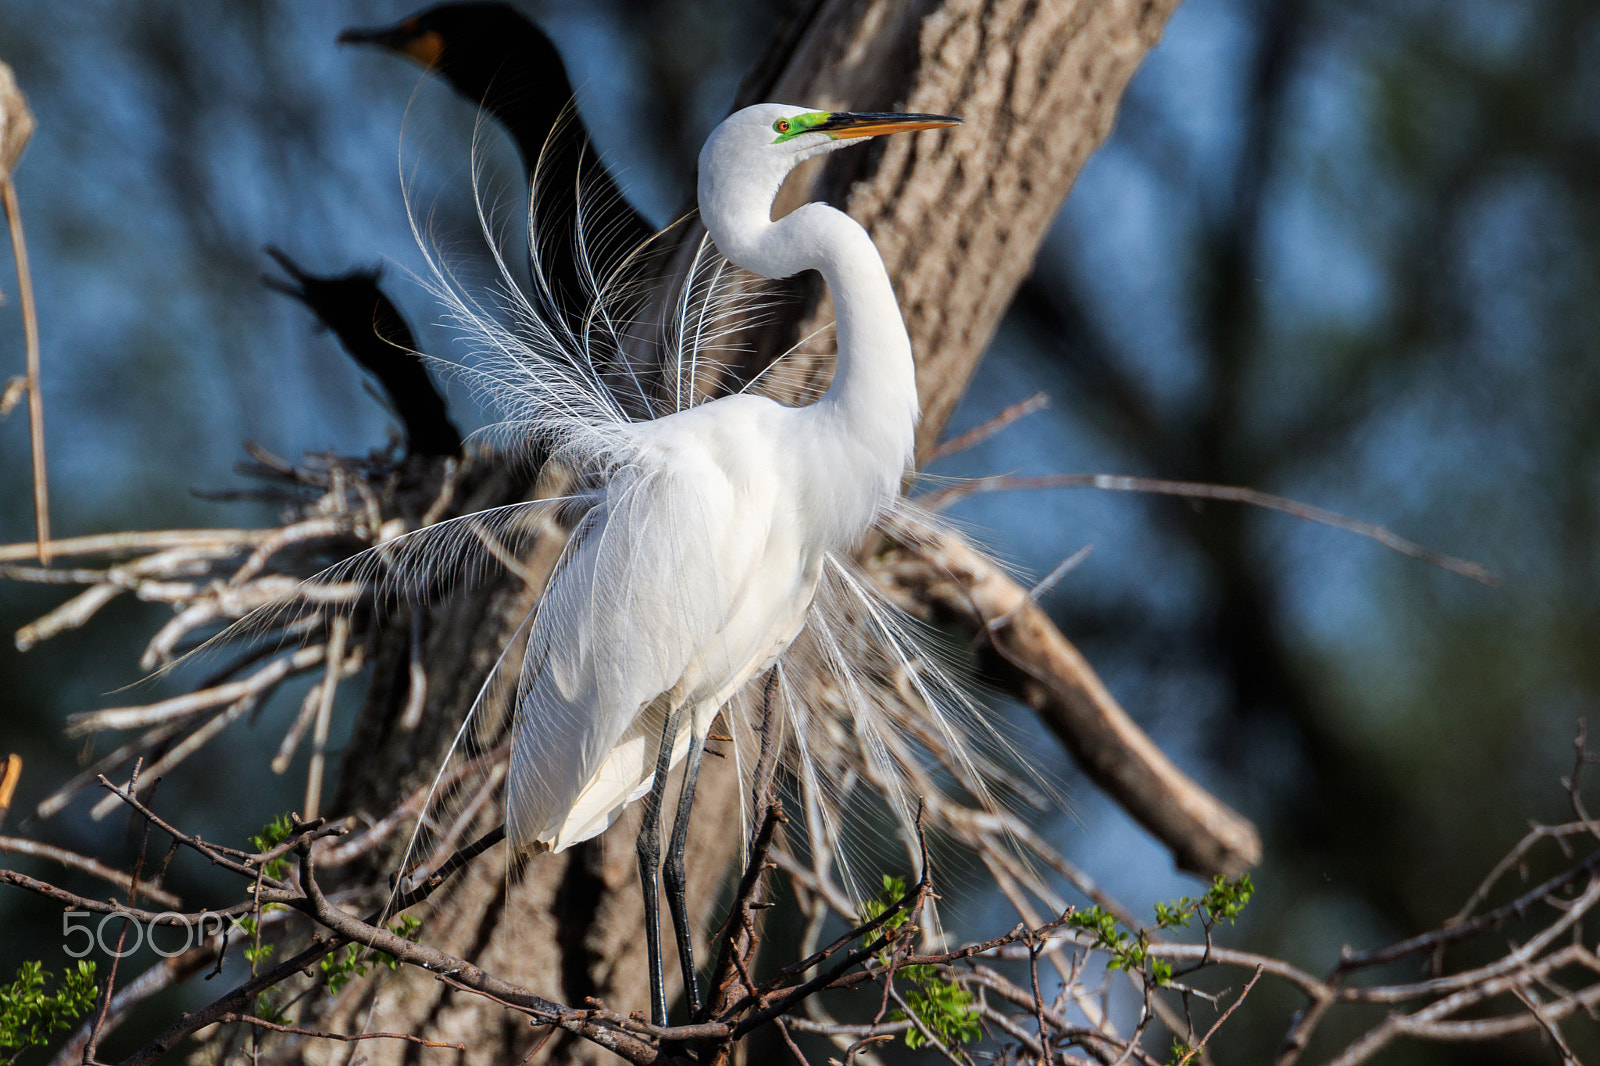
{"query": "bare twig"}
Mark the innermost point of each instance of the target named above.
(1227, 493)
(16, 126)
(338, 631)
(739, 940)
(316, 1034)
(1204, 1040)
(1014, 413)
(136, 541)
(122, 934)
(191, 703)
(93, 867)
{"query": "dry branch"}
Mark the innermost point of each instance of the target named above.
(875, 956)
(1226, 493)
(16, 127)
(93, 867)
(942, 569)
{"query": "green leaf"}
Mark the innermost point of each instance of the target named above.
(944, 1008)
(28, 1014)
(407, 928)
(341, 966)
(893, 891)
(272, 834)
(267, 1008)
(1160, 971)
(1227, 899)
(1175, 915)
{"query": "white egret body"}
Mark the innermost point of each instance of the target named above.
(695, 569)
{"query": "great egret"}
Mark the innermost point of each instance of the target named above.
(696, 566)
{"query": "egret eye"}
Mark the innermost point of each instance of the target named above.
(798, 125)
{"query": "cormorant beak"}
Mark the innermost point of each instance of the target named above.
(406, 38)
(844, 125)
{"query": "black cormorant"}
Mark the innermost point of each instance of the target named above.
(372, 330)
(492, 55)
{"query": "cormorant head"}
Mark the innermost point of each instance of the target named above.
(485, 50)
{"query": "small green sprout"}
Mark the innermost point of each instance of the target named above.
(1223, 901)
(893, 891)
(267, 1008)
(944, 1008)
(1227, 899)
(272, 834)
(342, 966)
(250, 925)
(407, 928)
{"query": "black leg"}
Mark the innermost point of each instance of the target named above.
(649, 847)
(674, 873)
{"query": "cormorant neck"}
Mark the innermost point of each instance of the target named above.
(522, 83)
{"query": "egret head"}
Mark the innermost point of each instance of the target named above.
(746, 158)
(769, 138)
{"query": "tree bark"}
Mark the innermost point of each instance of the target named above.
(958, 220)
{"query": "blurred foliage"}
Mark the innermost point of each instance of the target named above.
(1346, 251)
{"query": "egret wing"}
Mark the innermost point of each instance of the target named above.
(641, 601)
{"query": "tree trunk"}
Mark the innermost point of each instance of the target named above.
(1037, 84)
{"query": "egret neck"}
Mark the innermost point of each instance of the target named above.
(868, 416)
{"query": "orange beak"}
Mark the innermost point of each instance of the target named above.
(406, 38)
(844, 125)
